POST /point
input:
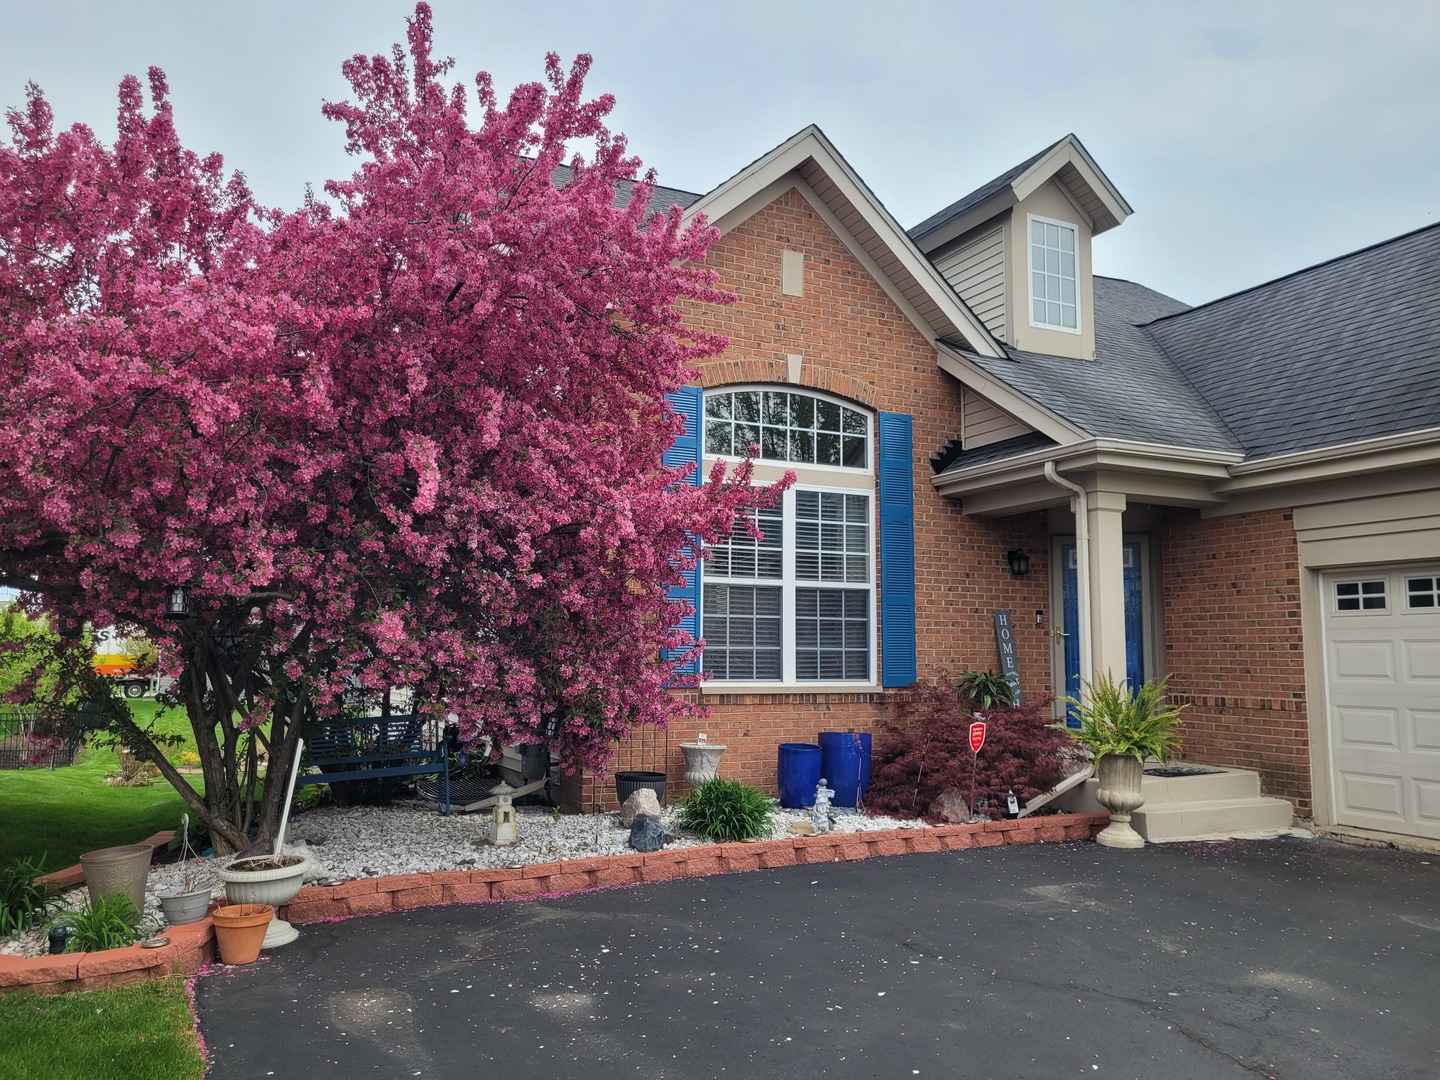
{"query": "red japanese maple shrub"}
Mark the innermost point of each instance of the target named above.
(927, 752)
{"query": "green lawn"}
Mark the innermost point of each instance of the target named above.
(140, 1032)
(61, 813)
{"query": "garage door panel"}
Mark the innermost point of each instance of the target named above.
(1428, 797)
(1383, 687)
(1373, 794)
(1368, 729)
(1424, 729)
(1364, 661)
(1422, 661)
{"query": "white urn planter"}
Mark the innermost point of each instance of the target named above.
(702, 760)
(275, 885)
(1120, 777)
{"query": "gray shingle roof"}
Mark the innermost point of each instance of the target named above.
(661, 198)
(979, 195)
(1131, 390)
(981, 455)
(1339, 352)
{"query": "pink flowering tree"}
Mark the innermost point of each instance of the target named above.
(407, 437)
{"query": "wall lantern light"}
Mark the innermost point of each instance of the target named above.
(1019, 561)
(177, 602)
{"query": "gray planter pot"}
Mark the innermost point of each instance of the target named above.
(184, 907)
(118, 870)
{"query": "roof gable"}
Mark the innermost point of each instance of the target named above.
(1066, 161)
(853, 212)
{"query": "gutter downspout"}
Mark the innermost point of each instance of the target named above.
(1081, 506)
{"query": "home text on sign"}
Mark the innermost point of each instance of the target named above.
(977, 736)
(1009, 664)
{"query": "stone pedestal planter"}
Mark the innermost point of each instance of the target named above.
(702, 760)
(275, 886)
(1120, 776)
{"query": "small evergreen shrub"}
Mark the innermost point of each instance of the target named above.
(111, 923)
(927, 752)
(726, 810)
(22, 902)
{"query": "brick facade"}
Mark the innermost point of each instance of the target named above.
(856, 344)
(1233, 644)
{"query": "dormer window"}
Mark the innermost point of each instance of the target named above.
(1053, 275)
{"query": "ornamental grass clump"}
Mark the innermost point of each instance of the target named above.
(22, 902)
(726, 810)
(1115, 720)
(112, 922)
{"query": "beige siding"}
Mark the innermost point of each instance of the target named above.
(976, 270)
(986, 423)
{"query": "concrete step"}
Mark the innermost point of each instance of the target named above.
(1211, 819)
(1206, 787)
(1229, 784)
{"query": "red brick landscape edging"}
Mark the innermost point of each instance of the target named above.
(367, 896)
(193, 944)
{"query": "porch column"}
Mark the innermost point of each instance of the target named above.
(1107, 584)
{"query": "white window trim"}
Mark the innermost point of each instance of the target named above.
(1360, 582)
(871, 446)
(1030, 277)
(789, 682)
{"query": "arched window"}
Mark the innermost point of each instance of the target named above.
(798, 605)
(804, 429)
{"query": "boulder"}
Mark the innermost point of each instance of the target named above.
(646, 834)
(642, 802)
(950, 806)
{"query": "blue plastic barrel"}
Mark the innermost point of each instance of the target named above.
(845, 764)
(799, 771)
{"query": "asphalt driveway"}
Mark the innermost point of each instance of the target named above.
(1291, 958)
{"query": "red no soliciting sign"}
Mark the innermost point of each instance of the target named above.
(977, 736)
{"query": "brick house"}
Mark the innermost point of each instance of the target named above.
(1244, 495)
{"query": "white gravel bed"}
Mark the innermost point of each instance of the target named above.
(409, 837)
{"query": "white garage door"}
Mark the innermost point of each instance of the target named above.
(1382, 658)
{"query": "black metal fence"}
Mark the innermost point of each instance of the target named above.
(18, 752)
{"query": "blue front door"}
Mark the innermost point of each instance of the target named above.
(1134, 621)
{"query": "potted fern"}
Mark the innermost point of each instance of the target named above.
(1121, 728)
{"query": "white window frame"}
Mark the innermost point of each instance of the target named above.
(1360, 595)
(823, 479)
(871, 445)
(1030, 276)
(789, 583)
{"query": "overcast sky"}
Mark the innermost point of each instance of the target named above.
(1252, 138)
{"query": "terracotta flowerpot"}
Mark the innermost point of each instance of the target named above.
(239, 930)
(118, 870)
(1119, 792)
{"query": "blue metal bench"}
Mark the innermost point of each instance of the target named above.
(370, 747)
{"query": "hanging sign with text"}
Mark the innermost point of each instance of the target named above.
(977, 736)
(1009, 664)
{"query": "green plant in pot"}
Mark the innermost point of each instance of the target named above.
(1123, 727)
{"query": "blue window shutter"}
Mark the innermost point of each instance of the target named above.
(687, 401)
(897, 551)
